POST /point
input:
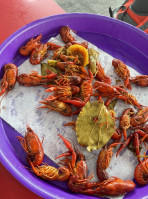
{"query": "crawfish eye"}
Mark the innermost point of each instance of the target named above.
(11, 87)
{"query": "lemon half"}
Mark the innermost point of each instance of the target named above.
(81, 52)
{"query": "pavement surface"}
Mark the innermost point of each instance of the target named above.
(89, 6)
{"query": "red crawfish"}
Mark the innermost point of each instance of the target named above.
(106, 90)
(125, 120)
(141, 117)
(141, 172)
(48, 172)
(65, 33)
(86, 92)
(32, 146)
(136, 120)
(113, 186)
(38, 54)
(58, 106)
(103, 161)
(62, 65)
(122, 71)
(59, 52)
(135, 137)
(30, 45)
(77, 166)
(117, 135)
(79, 182)
(34, 79)
(127, 97)
(9, 78)
(68, 80)
(66, 58)
(73, 69)
(141, 80)
(52, 46)
(143, 127)
(61, 93)
(101, 76)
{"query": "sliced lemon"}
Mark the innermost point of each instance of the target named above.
(81, 52)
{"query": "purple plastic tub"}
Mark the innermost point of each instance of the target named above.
(119, 39)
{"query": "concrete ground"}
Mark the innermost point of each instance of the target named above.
(89, 6)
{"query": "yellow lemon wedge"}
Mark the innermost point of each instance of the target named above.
(81, 52)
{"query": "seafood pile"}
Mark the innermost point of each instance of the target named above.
(74, 75)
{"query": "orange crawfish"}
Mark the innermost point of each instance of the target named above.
(122, 71)
(35, 79)
(79, 182)
(101, 76)
(29, 47)
(103, 161)
(86, 92)
(141, 80)
(48, 172)
(58, 106)
(33, 147)
(125, 120)
(141, 172)
(9, 78)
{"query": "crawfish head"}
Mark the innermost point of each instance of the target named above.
(141, 80)
(141, 117)
(9, 78)
(66, 35)
(122, 72)
(103, 161)
(30, 45)
(38, 54)
(125, 120)
(57, 105)
(33, 147)
(141, 172)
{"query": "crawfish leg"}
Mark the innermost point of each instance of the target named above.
(71, 150)
(124, 144)
(108, 101)
(136, 145)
